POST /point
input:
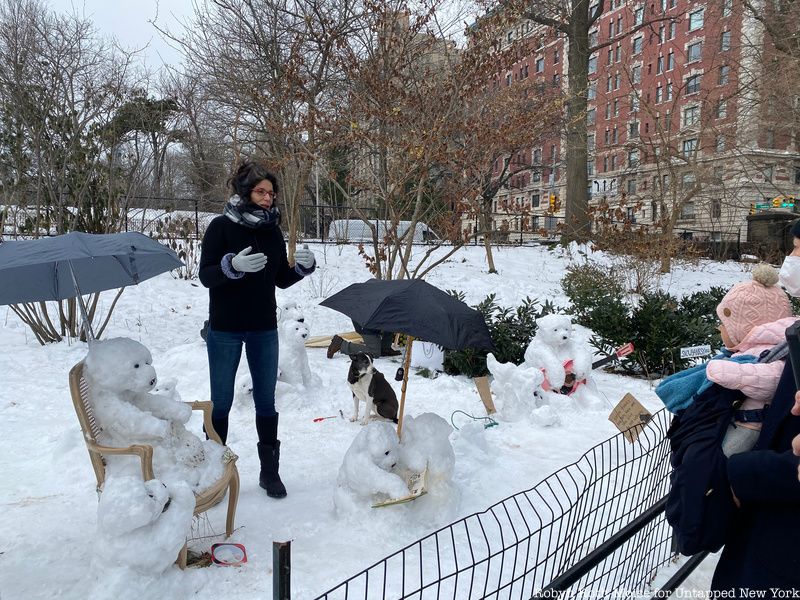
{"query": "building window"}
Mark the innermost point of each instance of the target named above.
(689, 147)
(537, 156)
(719, 143)
(673, 29)
(716, 208)
(540, 65)
(614, 136)
(797, 175)
(616, 107)
(590, 168)
(696, 19)
(607, 137)
(722, 109)
(637, 44)
(618, 53)
(660, 65)
(508, 79)
(608, 84)
(634, 103)
(687, 211)
(614, 162)
(556, 79)
(631, 186)
(611, 28)
(638, 16)
(691, 116)
(662, 32)
(770, 138)
(633, 157)
(591, 92)
(633, 129)
(591, 116)
(669, 91)
(608, 111)
(619, 24)
(694, 51)
(727, 7)
(724, 74)
(693, 84)
(767, 171)
(617, 80)
(535, 200)
(590, 142)
(592, 64)
(636, 74)
(725, 41)
(592, 38)
(670, 60)
(654, 210)
(605, 164)
(687, 181)
(610, 60)
(659, 93)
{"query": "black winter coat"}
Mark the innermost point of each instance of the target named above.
(248, 303)
(699, 505)
(763, 547)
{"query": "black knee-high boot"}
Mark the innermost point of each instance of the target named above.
(269, 453)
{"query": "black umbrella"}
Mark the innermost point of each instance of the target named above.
(69, 265)
(417, 309)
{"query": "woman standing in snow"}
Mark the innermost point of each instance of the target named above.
(243, 258)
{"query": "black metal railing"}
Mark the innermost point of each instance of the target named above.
(525, 543)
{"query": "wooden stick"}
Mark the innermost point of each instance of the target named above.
(407, 364)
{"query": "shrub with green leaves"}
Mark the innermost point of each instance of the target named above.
(658, 325)
(598, 302)
(511, 330)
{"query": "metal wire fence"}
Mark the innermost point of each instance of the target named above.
(517, 547)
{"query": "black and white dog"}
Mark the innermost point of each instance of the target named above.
(370, 386)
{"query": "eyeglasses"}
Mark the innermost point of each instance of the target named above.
(264, 192)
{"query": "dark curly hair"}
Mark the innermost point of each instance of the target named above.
(247, 176)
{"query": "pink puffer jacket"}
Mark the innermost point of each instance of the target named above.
(757, 381)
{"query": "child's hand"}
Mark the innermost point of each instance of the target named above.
(796, 407)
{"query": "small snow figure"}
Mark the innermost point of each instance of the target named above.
(121, 378)
(426, 444)
(290, 311)
(564, 362)
(515, 386)
(365, 475)
(141, 527)
(292, 360)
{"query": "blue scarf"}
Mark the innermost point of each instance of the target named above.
(679, 390)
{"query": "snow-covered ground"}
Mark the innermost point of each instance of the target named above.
(49, 506)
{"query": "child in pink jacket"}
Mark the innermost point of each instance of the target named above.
(754, 316)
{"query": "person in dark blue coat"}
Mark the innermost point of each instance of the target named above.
(243, 259)
(762, 551)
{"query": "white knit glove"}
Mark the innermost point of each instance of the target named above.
(244, 262)
(304, 257)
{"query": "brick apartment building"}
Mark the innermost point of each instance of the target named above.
(687, 114)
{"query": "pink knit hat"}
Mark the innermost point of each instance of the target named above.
(751, 303)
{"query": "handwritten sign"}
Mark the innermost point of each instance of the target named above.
(630, 417)
(695, 351)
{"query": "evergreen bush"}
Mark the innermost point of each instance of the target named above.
(511, 330)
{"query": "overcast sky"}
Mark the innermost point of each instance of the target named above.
(130, 21)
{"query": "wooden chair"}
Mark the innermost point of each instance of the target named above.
(229, 482)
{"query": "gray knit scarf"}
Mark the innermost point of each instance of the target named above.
(251, 215)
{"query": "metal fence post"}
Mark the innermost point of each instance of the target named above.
(281, 570)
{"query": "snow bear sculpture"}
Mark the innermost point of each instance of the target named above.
(292, 360)
(426, 444)
(516, 387)
(141, 527)
(365, 475)
(290, 311)
(121, 378)
(555, 351)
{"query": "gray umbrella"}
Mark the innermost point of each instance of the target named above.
(69, 265)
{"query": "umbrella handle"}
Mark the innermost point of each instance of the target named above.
(407, 363)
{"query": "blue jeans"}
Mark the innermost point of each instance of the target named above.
(225, 351)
